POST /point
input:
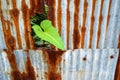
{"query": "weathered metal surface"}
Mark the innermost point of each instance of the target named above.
(84, 24)
(117, 74)
(89, 23)
(15, 28)
(80, 64)
(81, 23)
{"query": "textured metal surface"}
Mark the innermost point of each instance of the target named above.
(81, 23)
(15, 28)
(80, 64)
(93, 24)
(89, 23)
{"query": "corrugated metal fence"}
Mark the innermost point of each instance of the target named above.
(81, 23)
(80, 64)
(86, 24)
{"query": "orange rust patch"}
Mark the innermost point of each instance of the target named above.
(68, 22)
(40, 8)
(15, 16)
(32, 4)
(76, 33)
(54, 76)
(83, 28)
(36, 6)
(14, 4)
(59, 16)
(54, 59)
(7, 1)
(100, 23)
(51, 12)
(30, 70)
(108, 17)
(27, 26)
(92, 22)
(16, 74)
(9, 39)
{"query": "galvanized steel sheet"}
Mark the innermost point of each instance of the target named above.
(80, 64)
(93, 24)
(81, 23)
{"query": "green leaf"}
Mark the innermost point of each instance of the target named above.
(47, 32)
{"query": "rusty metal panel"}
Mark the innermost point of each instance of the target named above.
(15, 28)
(81, 23)
(80, 64)
(88, 23)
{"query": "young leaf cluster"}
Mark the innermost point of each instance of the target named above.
(47, 32)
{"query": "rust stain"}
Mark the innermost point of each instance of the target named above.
(40, 8)
(54, 60)
(36, 6)
(59, 16)
(16, 74)
(9, 39)
(7, 1)
(108, 17)
(27, 26)
(83, 28)
(117, 72)
(32, 4)
(68, 22)
(14, 4)
(51, 12)
(14, 13)
(92, 22)
(76, 33)
(100, 23)
(15, 16)
(30, 73)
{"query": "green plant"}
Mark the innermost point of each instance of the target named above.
(47, 32)
(36, 19)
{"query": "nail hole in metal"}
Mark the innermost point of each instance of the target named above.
(84, 59)
(111, 57)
